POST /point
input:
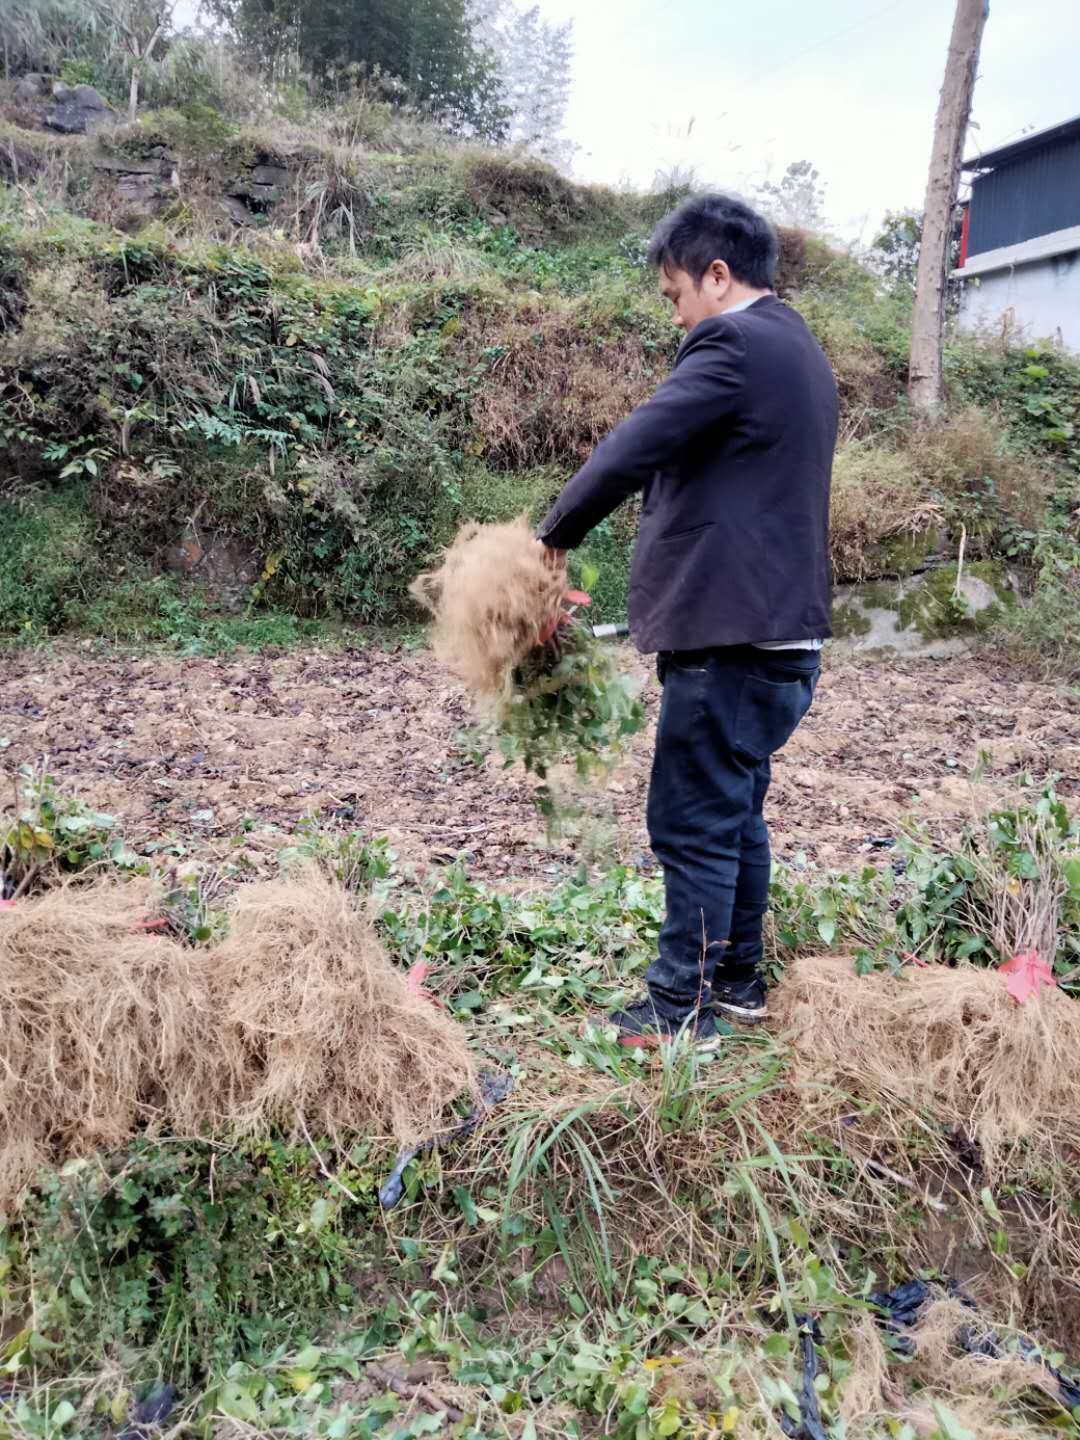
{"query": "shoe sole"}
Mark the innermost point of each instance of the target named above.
(742, 1014)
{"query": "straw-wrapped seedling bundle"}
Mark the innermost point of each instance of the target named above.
(503, 623)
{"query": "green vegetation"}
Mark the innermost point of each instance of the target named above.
(968, 904)
(176, 1224)
(337, 462)
(247, 409)
(395, 342)
(50, 834)
(540, 1270)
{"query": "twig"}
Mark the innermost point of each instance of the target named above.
(897, 1179)
(27, 880)
(960, 562)
(421, 1392)
(322, 1166)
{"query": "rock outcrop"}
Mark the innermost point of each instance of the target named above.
(78, 110)
(145, 184)
(252, 193)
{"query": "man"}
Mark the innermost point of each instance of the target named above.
(730, 584)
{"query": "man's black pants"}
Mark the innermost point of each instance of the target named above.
(724, 713)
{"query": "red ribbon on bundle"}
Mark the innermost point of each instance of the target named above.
(1024, 973)
(572, 598)
(414, 979)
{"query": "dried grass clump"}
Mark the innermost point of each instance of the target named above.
(877, 495)
(950, 1039)
(969, 458)
(490, 597)
(325, 1031)
(866, 382)
(986, 1395)
(558, 389)
(863, 1397)
(297, 1023)
(943, 1362)
(103, 1028)
(64, 304)
(537, 200)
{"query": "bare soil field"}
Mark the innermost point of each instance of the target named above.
(227, 756)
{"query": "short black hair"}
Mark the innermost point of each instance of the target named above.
(716, 227)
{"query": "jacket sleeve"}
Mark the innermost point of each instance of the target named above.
(702, 390)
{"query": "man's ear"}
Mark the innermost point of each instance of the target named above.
(719, 274)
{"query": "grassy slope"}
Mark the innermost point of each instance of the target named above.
(466, 328)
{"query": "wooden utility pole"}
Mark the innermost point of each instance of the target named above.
(942, 186)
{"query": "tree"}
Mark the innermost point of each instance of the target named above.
(942, 187)
(37, 34)
(267, 31)
(796, 200)
(140, 26)
(43, 33)
(534, 60)
(428, 45)
(894, 252)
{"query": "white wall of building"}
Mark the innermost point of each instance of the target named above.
(1039, 299)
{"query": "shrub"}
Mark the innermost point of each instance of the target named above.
(878, 496)
(194, 129)
(1044, 631)
(962, 475)
(539, 202)
(555, 377)
(999, 494)
(867, 383)
(204, 77)
(47, 563)
(1036, 390)
(181, 1250)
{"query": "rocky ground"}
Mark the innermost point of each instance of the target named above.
(226, 756)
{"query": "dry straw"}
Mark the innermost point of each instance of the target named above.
(950, 1039)
(982, 1396)
(98, 1022)
(325, 1027)
(490, 597)
(298, 1024)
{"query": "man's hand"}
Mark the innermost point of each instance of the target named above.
(554, 559)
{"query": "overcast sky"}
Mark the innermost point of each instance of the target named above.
(850, 85)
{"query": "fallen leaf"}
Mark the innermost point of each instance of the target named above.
(1024, 973)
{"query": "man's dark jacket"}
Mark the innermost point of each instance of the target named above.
(734, 455)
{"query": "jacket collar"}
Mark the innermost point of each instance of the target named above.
(762, 303)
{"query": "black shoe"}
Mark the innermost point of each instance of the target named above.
(742, 1002)
(639, 1026)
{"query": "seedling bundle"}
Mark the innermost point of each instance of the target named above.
(505, 624)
